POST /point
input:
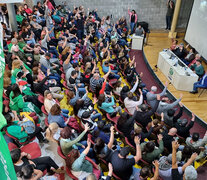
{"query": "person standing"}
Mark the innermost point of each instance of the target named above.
(169, 15)
(132, 19)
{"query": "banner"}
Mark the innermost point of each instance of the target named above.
(11, 1)
(6, 165)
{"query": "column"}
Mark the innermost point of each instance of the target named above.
(12, 16)
(172, 33)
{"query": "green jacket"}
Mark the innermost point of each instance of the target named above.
(16, 103)
(19, 18)
(16, 131)
(149, 157)
(198, 69)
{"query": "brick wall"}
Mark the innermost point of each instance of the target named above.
(151, 11)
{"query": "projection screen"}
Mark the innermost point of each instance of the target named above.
(196, 34)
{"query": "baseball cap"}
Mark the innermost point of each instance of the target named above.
(190, 173)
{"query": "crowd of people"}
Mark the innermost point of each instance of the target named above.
(111, 118)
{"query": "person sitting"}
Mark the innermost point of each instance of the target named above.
(123, 166)
(107, 106)
(77, 163)
(56, 116)
(152, 96)
(190, 56)
(103, 150)
(202, 83)
(139, 31)
(149, 152)
(170, 118)
(168, 138)
(69, 139)
(198, 68)
(180, 51)
(197, 57)
(41, 163)
(130, 104)
(182, 129)
(195, 140)
(73, 82)
(174, 44)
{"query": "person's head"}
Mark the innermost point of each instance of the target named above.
(55, 110)
(139, 26)
(170, 112)
(198, 62)
(15, 48)
(34, 18)
(124, 152)
(48, 56)
(48, 95)
(190, 173)
(79, 103)
(35, 78)
(143, 107)
(153, 89)
(16, 64)
(25, 6)
(26, 172)
(165, 99)
(149, 147)
(192, 50)
(122, 119)
(74, 74)
(125, 89)
(96, 75)
(198, 56)
(51, 130)
(195, 136)
(99, 145)
(182, 122)
(15, 155)
(137, 129)
(39, 4)
(133, 12)
(66, 132)
(145, 173)
(187, 152)
(16, 91)
(70, 95)
(101, 99)
(155, 122)
(130, 95)
(9, 118)
(172, 132)
(71, 157)
(7, 82)
(14, 41)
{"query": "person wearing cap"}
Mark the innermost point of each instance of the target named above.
(198, 68)
(152, 96)
(182, 129)
(123, 165)
(188, 170)
(202, 83)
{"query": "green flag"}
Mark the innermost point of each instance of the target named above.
(6, 165)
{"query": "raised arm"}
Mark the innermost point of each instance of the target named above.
(138, 149)
(156, 173)
(175, 146)
(111, 140)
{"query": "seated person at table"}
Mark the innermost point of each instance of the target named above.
(200, 84)
(139, 31)
(180, 51)
(198, 68)
(189, 57)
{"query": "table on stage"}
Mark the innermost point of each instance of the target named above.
(178, 73)
(137, 42)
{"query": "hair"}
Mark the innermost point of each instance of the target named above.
(137, 129)
(149, 147)
(16, 90)
(73, 73)
(46, 93)
(26, 171)
(66, 132)
(55, 110)
(195, 136)
(91, 177)
(193, 49)
(130, 95)
(122, 119)
(8, 118)
(34, 78)
(99, 145)
(7, 73)
(71, 157)
(101, 99)
(51, 130)
(16, 64)
(7, 82)
(186, 153)
(145, 172)
(35, 70)
(155, 122)
(70, 95)
(170, 112)
(15, 155)
(79, 104)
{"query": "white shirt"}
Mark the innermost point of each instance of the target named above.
(131, 104)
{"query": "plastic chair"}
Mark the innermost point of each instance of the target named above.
(65, 84)
(46, 122)
(90, 138)
(121, 133)
(114, 119)
(43, 110)
(33, 149)
(127, 111)
(41, 98)
(128, 143)
(60, 153)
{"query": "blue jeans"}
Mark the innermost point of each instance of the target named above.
(196, 86)
(80, 33)
(54, 51)
(95, 116)
(65, 112)
(132, 24)
(81, 88)
(32, 41)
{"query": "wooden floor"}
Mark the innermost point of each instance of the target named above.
(157, 42)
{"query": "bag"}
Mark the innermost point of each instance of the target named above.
(28, 125)
(29, 107)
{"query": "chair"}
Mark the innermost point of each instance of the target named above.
(90, 138)
(46, 122)
(63, 76)
(43, 110)
(127, 111)
(121, 133)
(33, 149)
(60, 153)
(127, 141)
(69, 173)
(112, 82)
(65, 84)
(41, 98)
(203, 89)
(114, 119)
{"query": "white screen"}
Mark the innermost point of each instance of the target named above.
(196, 34)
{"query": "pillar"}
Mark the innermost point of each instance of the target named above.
(172, 33)
(12, 16)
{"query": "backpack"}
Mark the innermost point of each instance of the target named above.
(27, 124)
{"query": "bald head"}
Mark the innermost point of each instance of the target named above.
(153, 88)
(172, 131)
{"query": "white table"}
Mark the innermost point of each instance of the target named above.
(179, 74)
(137, 42)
